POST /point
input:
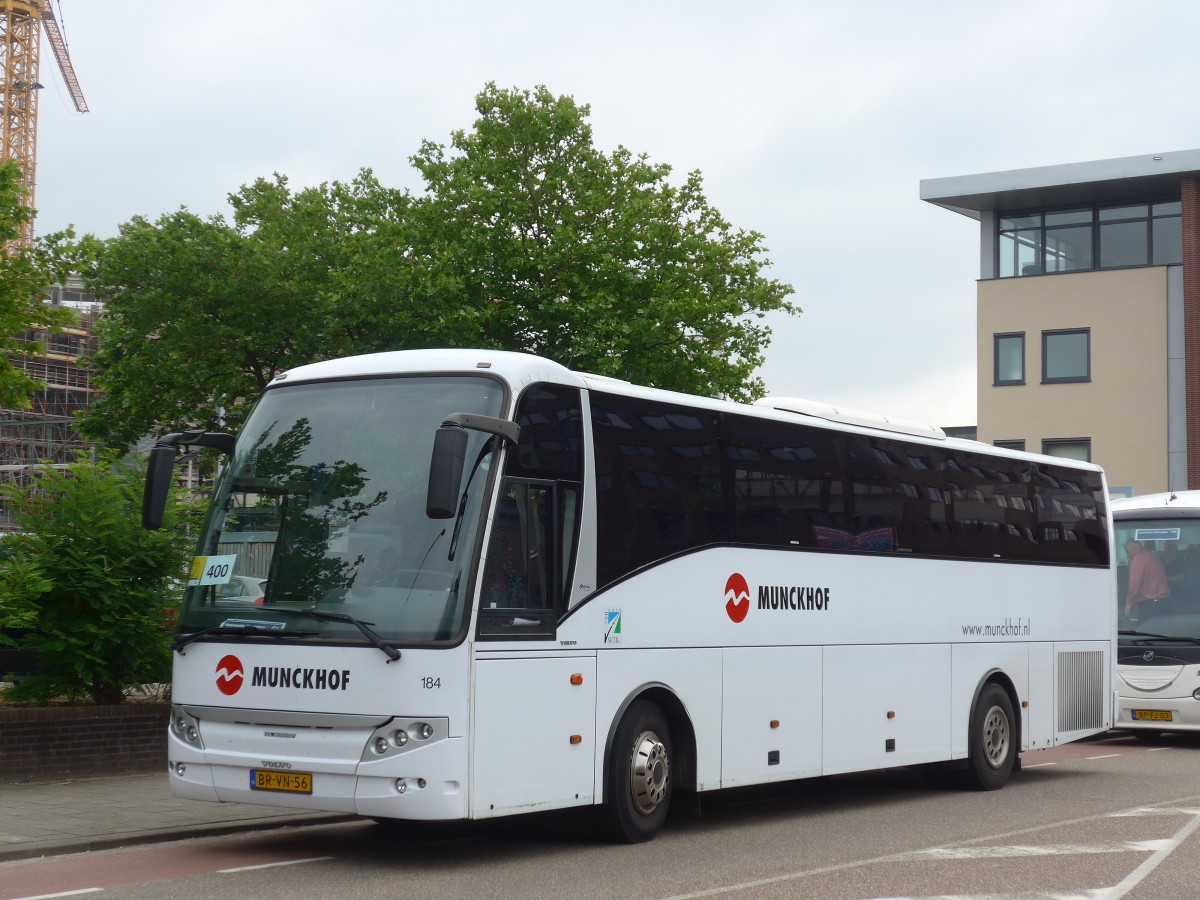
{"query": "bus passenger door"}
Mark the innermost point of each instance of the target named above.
(534, 738)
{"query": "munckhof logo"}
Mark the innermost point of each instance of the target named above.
(772, 596)
(230, 675)
(737, 597)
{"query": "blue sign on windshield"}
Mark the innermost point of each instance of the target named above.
(1156, 534)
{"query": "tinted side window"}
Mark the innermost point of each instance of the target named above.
(658, 480)
(672, 479)
(786, 481)
(551, 441)
(876, 498)
(993, 509)
(1071, 514)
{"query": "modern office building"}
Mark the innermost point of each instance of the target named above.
(1088, 312)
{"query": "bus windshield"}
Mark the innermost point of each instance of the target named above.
(323, 506)
(1158, 570)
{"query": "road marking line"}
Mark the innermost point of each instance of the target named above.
(1105, 756)
(1036, 765)
(1134, 878)
(1095, 894)
(288, 862)
(63, 894)
(1017, 850)
(1155, 811)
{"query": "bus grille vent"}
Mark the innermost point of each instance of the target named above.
(1080, 690)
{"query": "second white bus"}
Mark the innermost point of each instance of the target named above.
(1158, 600)
(496, 586)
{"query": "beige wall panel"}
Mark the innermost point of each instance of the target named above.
(1123, 409)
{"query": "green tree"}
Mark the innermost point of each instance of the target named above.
(25, 275)
(526, 237)
(201, 313)
(543, 243)
(92, 586)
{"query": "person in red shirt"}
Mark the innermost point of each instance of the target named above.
(1147, 577)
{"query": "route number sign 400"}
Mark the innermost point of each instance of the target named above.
(211, 569)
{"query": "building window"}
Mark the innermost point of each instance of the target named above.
(1066, 356)
(1020, 245)
(1124, 236)
(1042, 242)
(1069, 448)
(1166, 233)
(1068, 240)
(1010, 359)
(1010, 445)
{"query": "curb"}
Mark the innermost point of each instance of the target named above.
(56, 847)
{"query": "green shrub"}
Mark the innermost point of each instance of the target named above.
(94, 589)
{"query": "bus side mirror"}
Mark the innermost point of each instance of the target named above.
(158, 484)
(161, 463)
(446, 471)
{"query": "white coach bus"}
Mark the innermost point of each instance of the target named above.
(492, 585)
(1158, 601)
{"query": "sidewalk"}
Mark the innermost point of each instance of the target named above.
(74, 815)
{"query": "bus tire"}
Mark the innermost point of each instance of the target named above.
(637, 776)
(992, 741)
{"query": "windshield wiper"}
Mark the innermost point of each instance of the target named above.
(1147, 636)
(236, 631)
(324, 615)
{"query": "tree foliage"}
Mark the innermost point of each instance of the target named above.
(25, 275)
(595, 260)
(526, 237)
(88, 584)
(201, 314)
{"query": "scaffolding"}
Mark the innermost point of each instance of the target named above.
(47, 432)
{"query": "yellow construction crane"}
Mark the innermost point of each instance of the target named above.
(21, 23)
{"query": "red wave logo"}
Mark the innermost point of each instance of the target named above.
(737, 597)
(230, 675)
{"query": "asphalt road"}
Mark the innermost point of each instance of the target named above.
(1100, 820)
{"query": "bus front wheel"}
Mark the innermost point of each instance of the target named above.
(637, 776)
(992, 742)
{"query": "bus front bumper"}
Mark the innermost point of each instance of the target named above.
(427, 784)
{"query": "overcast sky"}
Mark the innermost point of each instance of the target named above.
(812, 123)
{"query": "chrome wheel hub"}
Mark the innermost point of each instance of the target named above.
(649, 772)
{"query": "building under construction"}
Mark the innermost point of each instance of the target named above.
(46, 433)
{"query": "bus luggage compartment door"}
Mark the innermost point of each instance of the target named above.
(534, 744)
(886, 705)
(771, 697)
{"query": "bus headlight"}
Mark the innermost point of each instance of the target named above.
(185, 726)
(404, 735)
(401, 785)
(1196, 694)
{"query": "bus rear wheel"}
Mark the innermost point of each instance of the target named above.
(637, 776)
(992, 741)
